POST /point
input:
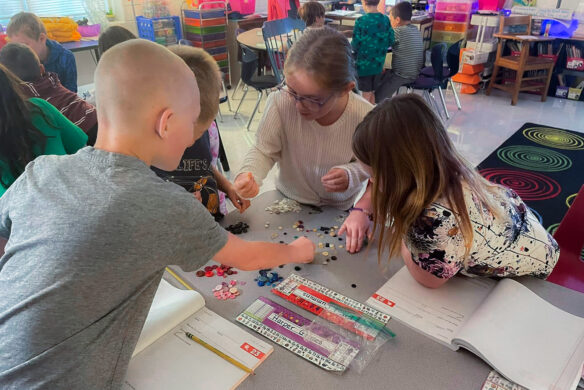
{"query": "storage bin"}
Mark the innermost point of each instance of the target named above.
(208, 38)
(575, 63)
(450, 26)
(204, 22)
(491, 5)
(89, 31)
(452, 17)
(204, 13)
(209, 44)
(452, 6)
(165, 30)
(205, 30)
(448, 37)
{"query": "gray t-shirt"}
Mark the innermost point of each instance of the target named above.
(89, 237)
(407, 51)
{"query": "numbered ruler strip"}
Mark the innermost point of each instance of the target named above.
(295, 282)
(295, 333)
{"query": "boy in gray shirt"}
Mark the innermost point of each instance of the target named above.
(89, 235)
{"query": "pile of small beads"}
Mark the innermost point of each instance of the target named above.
(238, 228)
(227, 290)
(284, 206)
(221, 270)
(265, 280)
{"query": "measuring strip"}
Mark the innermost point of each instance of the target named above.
(327, 303)
(290, 330)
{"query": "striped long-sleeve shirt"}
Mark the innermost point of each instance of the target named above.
(407, 51)
(305, 151)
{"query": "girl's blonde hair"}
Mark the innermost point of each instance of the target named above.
(326, 55)
(413, 164)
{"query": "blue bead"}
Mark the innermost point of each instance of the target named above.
(261, 284)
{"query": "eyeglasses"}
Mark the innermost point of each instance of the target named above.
(308, 103)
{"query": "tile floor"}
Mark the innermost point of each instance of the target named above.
(479, 128)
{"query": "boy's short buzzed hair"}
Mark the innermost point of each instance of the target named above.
(208, 78)
(21, 60)
(371, 3)
(310, 11)
(27, 23)
(402, 10)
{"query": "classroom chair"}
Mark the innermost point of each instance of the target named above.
(279, 35)
(249, 66)
(569, 271)
(429, 84)
(516, 28)
(453, 64)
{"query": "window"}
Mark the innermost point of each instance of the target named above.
(75, 9)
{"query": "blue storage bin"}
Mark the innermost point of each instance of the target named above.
(147, 28)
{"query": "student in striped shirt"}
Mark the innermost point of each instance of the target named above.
(407, 52)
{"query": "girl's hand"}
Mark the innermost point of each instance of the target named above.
(336, 180)
(246, 186)
(197, 194)
(357, 226)
(304, 248)
(240, 203)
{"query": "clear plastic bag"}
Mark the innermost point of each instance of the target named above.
(350, 337)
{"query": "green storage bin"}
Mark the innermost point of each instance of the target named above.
(205, 30)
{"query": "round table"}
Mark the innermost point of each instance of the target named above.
(253, 39)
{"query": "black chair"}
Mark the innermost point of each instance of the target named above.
(438, 81)
(453, 62)
(249, 66)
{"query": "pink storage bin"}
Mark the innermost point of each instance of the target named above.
(452, 17)
(450, 6)
(89, 31)
(244, 7)
(491, 5)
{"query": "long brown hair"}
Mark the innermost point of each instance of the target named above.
(413, 163)
(326, 54)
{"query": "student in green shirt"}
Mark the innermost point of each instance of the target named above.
(30, 128)
(372, 36)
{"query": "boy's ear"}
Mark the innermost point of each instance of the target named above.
(43, 37)
(349, 87)
(161, 126)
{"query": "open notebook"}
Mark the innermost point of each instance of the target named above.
(523, 337)
(165, 358)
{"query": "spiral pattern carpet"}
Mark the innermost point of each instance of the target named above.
(544, 165)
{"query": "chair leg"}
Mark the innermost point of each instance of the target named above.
(455, 95)
(443, 103)
(516, 86)
(226, 95)
(493, 78)
(236, 88)
(434, 104)
(547, 84)
(222, 154)
(260, 94)
(241, 101)
(220, 114)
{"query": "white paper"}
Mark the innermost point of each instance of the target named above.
(176, 362)
(437, 313)
(528, 340)
(170, 307)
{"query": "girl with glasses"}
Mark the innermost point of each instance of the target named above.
(308, 124)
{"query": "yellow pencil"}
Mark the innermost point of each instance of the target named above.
(221, 354)
(178, 278)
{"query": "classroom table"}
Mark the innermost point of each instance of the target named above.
(89, 44)
(253, 39)
(409, 361)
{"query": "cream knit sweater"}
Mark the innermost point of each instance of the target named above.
(305, 151)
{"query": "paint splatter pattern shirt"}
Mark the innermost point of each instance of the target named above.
(502, 247)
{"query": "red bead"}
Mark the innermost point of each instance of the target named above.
(209, 274)
(200, 273)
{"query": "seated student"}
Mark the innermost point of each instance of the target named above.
(196, 172)
(112, 36)
(89, 235)
(24, 63)
(372, 36)
(308, 124)
(429, 204)
(30, 128)
(312, 13)
(27, 28)
(407, 52)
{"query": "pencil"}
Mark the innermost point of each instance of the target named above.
(178, 278)
(217, 352)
